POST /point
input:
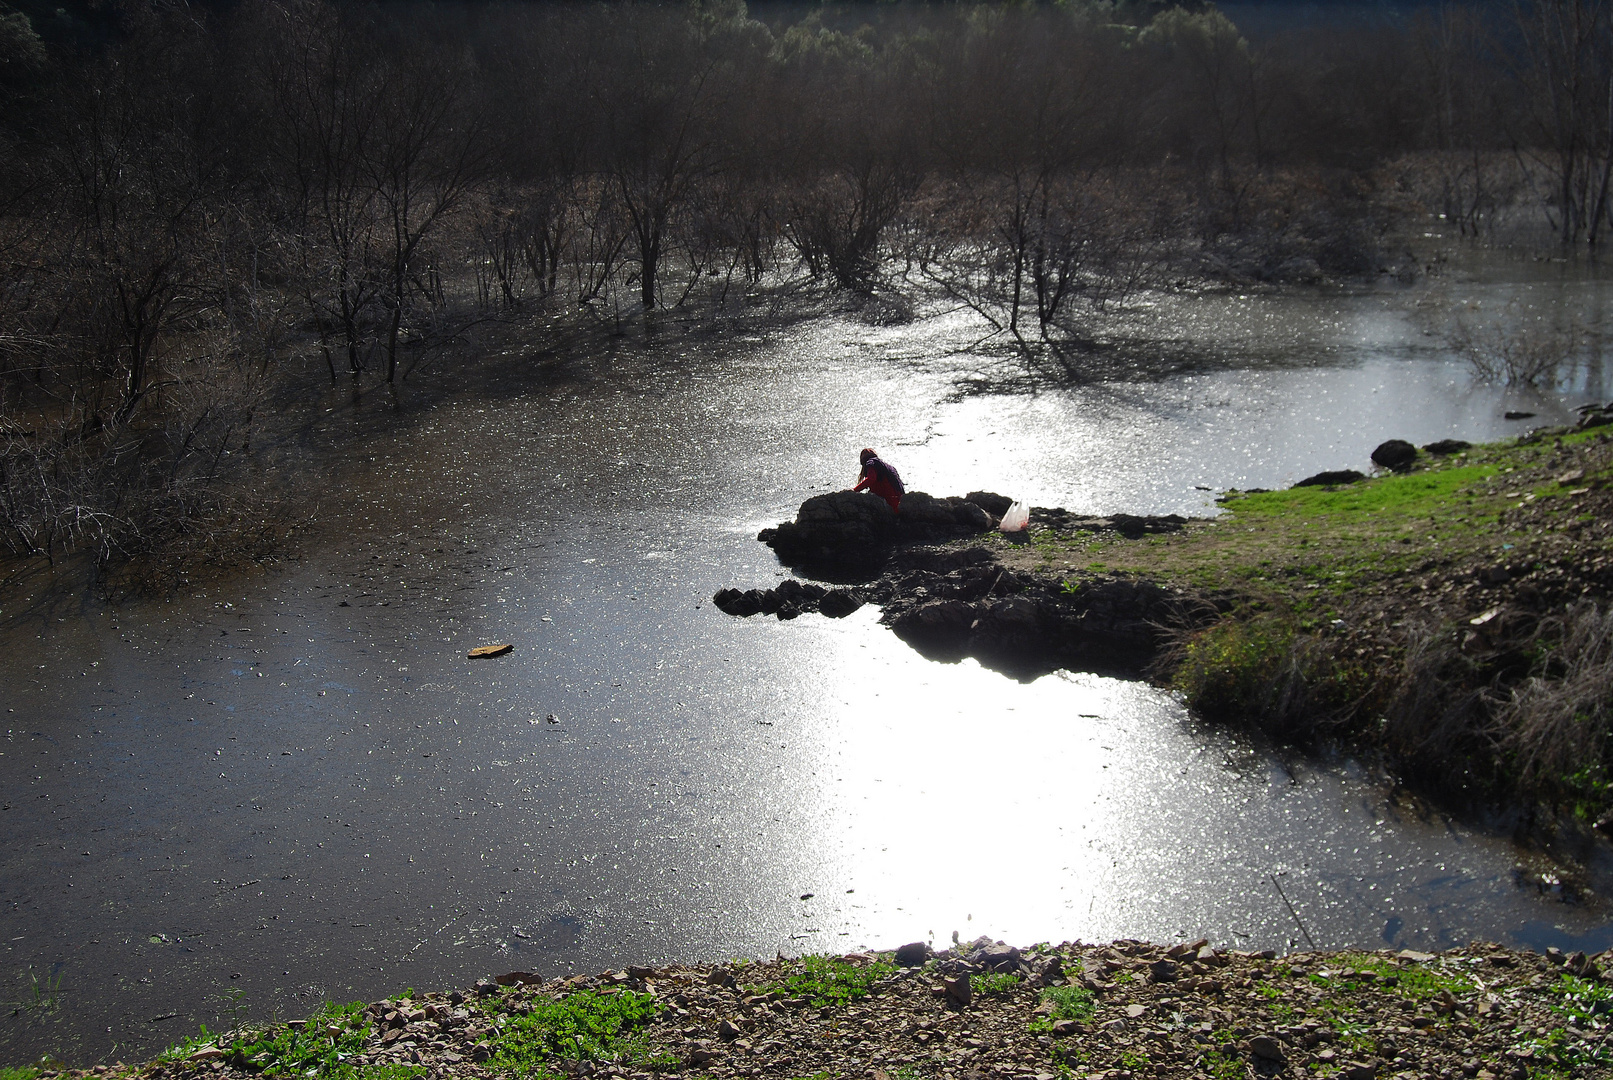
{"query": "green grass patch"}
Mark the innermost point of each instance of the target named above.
(1312, 546)
(1069, 1003)
(312, 1050)
(40, 994)
(583, 1026)
(1135, 1060)
(1586, 1007)
(995, 983)
(1415, 981)
(829, 980)
(18, 1072)
(322, 1048)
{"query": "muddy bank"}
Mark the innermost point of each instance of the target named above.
(985, 1009)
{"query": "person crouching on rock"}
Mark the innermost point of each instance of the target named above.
(877, 476)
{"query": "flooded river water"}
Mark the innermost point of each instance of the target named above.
(295, 785)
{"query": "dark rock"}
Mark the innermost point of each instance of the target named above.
(913, 954)
(992, 503)
(735, 602)
(728, 1031)
(1516, 414)
(481, 1051)
(839, 603)
(1163, 970)
(995, 957)
(959, 991)
(456, 998)
(1395, 454)
(486, 987)
(1063, 1029)
(517, 978)
(1595, 419)
(1338, 476)
(846, 531)
(1448, 446)
(1264, 1046)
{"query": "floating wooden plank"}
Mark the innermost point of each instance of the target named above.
(483, 651)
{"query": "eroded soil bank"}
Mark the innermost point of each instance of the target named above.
(1119, 1011)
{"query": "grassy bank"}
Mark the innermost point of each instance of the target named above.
(1453, 616)
(1120, 1011)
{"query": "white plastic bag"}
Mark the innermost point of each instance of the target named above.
(1018, 516)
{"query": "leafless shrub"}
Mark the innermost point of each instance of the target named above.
(1556, 722)
(836, 224)
(1438, 709)
(1518, 346)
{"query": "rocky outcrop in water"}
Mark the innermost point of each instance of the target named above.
(1396, 454)
(950, 600)
(854, 532)
(949, 603)
(789, 599)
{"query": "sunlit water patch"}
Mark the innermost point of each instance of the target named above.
(298, 786)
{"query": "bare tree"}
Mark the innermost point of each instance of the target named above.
(1566, 71)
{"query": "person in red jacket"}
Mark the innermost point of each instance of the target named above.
(878, 477)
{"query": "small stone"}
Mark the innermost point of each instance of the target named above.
(1264, 1046)
(959, 990)
(481, 1051)
(1331, 478)
(728, 1031)
(1396, 454)
(913, 954)
(1448, 446)
(1134, 1010)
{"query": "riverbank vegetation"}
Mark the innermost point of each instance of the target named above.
(1454, 616)
(1126, 1009)
(210, 211)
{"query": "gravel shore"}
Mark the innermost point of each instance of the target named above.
(1119, 1011)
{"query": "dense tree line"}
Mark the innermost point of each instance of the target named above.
(193, 195)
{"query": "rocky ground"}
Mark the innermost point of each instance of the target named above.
(1120, 1012)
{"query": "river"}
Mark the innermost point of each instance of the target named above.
(295, 785)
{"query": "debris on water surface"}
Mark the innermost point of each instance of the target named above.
(483, 651)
